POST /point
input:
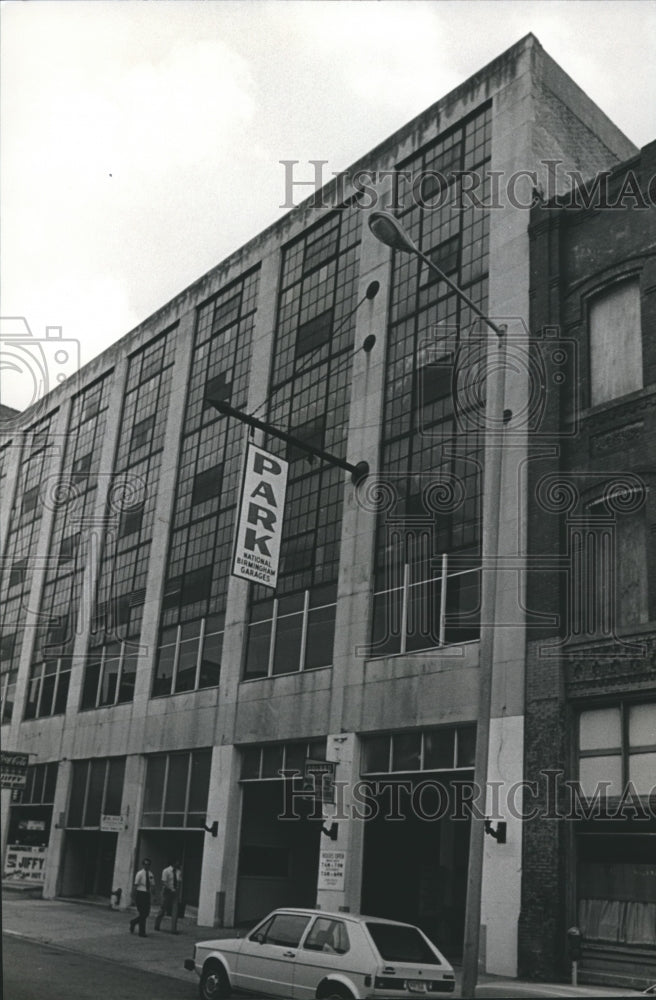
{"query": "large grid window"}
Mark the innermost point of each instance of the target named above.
(72, 541)
(177, 786)
(431, 431)
(22, 541)
(273, 760)
(200, 549)
(309, 397)
(447, 748)
(617, 745)
(96, 791)
(40, 785)
(110, 670)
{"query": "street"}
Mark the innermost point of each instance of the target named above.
(32, 970)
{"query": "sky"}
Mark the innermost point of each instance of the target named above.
(141, 139)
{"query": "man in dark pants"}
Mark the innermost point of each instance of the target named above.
(144, 883)
(171, 889)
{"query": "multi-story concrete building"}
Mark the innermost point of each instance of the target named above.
(157, 694)
(591, 679)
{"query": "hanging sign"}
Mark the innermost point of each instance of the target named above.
(259, 525)
(13, 769)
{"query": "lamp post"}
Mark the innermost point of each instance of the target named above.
(388, 230)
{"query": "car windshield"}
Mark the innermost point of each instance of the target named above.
(397, 943)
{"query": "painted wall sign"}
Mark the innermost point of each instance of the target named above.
(332, 865)
(25, 864)
(261, 510)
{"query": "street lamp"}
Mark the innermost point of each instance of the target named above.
(387, 229)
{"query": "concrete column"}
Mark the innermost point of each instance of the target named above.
(54, 858)
(5, 805)
(346, 852)
(131, 805)
(218, 882)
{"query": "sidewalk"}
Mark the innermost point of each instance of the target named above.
(98, 930)
(101, 931)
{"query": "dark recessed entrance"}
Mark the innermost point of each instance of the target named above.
(415, 867)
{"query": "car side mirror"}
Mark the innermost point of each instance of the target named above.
(259, 938)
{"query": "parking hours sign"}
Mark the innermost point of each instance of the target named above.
(261, 510)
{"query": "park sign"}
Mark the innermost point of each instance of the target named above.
(13, 769)
(259, 524)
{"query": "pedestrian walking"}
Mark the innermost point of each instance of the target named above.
(171, 893)
(144, 883)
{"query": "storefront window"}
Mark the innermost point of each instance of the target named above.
(30, 819)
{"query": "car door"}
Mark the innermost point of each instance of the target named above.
(326, 949)
(267, 957)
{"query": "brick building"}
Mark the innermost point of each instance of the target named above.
(160, 697)
(590, 675)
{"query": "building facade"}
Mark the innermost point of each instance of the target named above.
(591, 679)
(158, 695)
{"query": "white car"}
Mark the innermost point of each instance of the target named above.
(308, 954)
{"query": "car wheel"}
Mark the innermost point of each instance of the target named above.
(214, 984)
(335, 993)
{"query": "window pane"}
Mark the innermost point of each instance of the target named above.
(466, 751)
(39, 779)
(176, 785)
(154, 792)
(295, 757)
(320, 637)
(257, 655)
(47, 695)
(250, 762)
(439, 750)
(62, 691)
(188, 658)
(90, 687)
(287, 656)
(642, 772)
(210, 665)
(423, 621)
(51, 783)
(95, 796)
(386, 637)
(595, 770)
(405, 752)
(78, 787)
(271, 762)
(110, 677)
(376, 754)
(642, 725)
(114, 793)
(600, 729)
(200, 781)
(128, 676)
(164, 670)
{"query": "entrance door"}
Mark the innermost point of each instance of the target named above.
(415, 867)
(165, 846)
(278, 858)
(88, 868)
